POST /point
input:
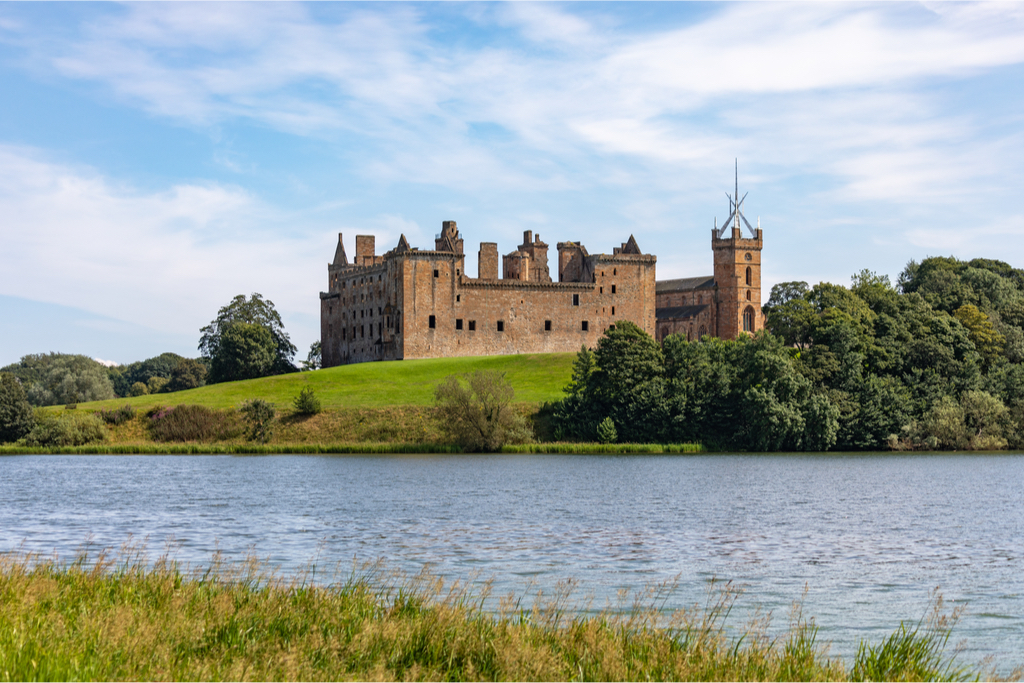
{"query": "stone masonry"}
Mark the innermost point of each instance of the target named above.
(412, 303)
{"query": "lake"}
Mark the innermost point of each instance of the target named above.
(868, 536)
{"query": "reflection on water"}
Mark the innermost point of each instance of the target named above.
(869, 536)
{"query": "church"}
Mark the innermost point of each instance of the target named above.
(422, 303)
(726, 303)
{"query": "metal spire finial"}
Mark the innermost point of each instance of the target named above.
(735, 215)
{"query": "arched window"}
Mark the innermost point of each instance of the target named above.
(702, 332)
(748, 295)
(748, 276)
(664, 333)
(748, 319)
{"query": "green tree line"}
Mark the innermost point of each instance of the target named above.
(934, 362)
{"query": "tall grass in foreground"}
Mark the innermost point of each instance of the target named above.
(125, 619)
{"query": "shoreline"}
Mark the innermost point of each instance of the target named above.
(368, 448)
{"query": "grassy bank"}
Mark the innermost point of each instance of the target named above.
(535, 377)
(124, 620)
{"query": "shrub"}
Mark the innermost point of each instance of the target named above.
(606, 432)
(307, 402)
(259, 415)
(65, 429)
(478, 415)
(189, 423)
(139, 389)
(116, 416)
(16, 416)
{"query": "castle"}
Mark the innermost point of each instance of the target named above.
(412, 303)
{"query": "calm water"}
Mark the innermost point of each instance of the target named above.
(869, 536)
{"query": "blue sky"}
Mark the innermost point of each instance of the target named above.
(157, 159)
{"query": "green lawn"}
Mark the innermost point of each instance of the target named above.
(535, 378)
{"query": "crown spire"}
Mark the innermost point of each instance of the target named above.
(735, 214)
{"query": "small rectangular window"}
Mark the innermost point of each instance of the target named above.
(586, 325)
(613, 289)
(501, 326)
(432, 322)
(613, 310)
(362, 331)
(575, 299)
(472, 326)
(600, 290)
(547, 325)
(458, 323)
(458, 297)
(435, 272)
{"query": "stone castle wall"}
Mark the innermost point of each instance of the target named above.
(421, 304)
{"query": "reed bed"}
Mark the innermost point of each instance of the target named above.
(372, 447)
(231, 449)
(604, 448)
(123, 618)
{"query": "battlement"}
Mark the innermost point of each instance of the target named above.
(414, 303)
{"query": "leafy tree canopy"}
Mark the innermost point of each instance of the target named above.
(16, 416)
(254, 310)
(61, 378)
(245, 351)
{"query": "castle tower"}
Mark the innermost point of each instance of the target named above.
(737, 271)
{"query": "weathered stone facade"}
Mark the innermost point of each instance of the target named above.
(725, 304)
(411, 303)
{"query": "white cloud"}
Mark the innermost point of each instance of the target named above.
(165, 260)
(839, 80)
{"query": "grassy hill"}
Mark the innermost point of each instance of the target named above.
(535, 378)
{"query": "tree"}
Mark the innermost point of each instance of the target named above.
(244, 351)
(983, 334)
(187, 374)
(61, 378)
(313, 358)
(124, 376)
(476, 411)
(16, 416)
(629, 383)
(789, 315)
(252, 311)
(574, 416)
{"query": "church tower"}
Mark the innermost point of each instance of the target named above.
(737, 271)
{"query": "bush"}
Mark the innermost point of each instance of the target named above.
(606, 432)
(16, 416)
(138, 389)
(116, 416)
(307, 402)
(189, 423)
(478, 415)
(65, 429)
(259, 415)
